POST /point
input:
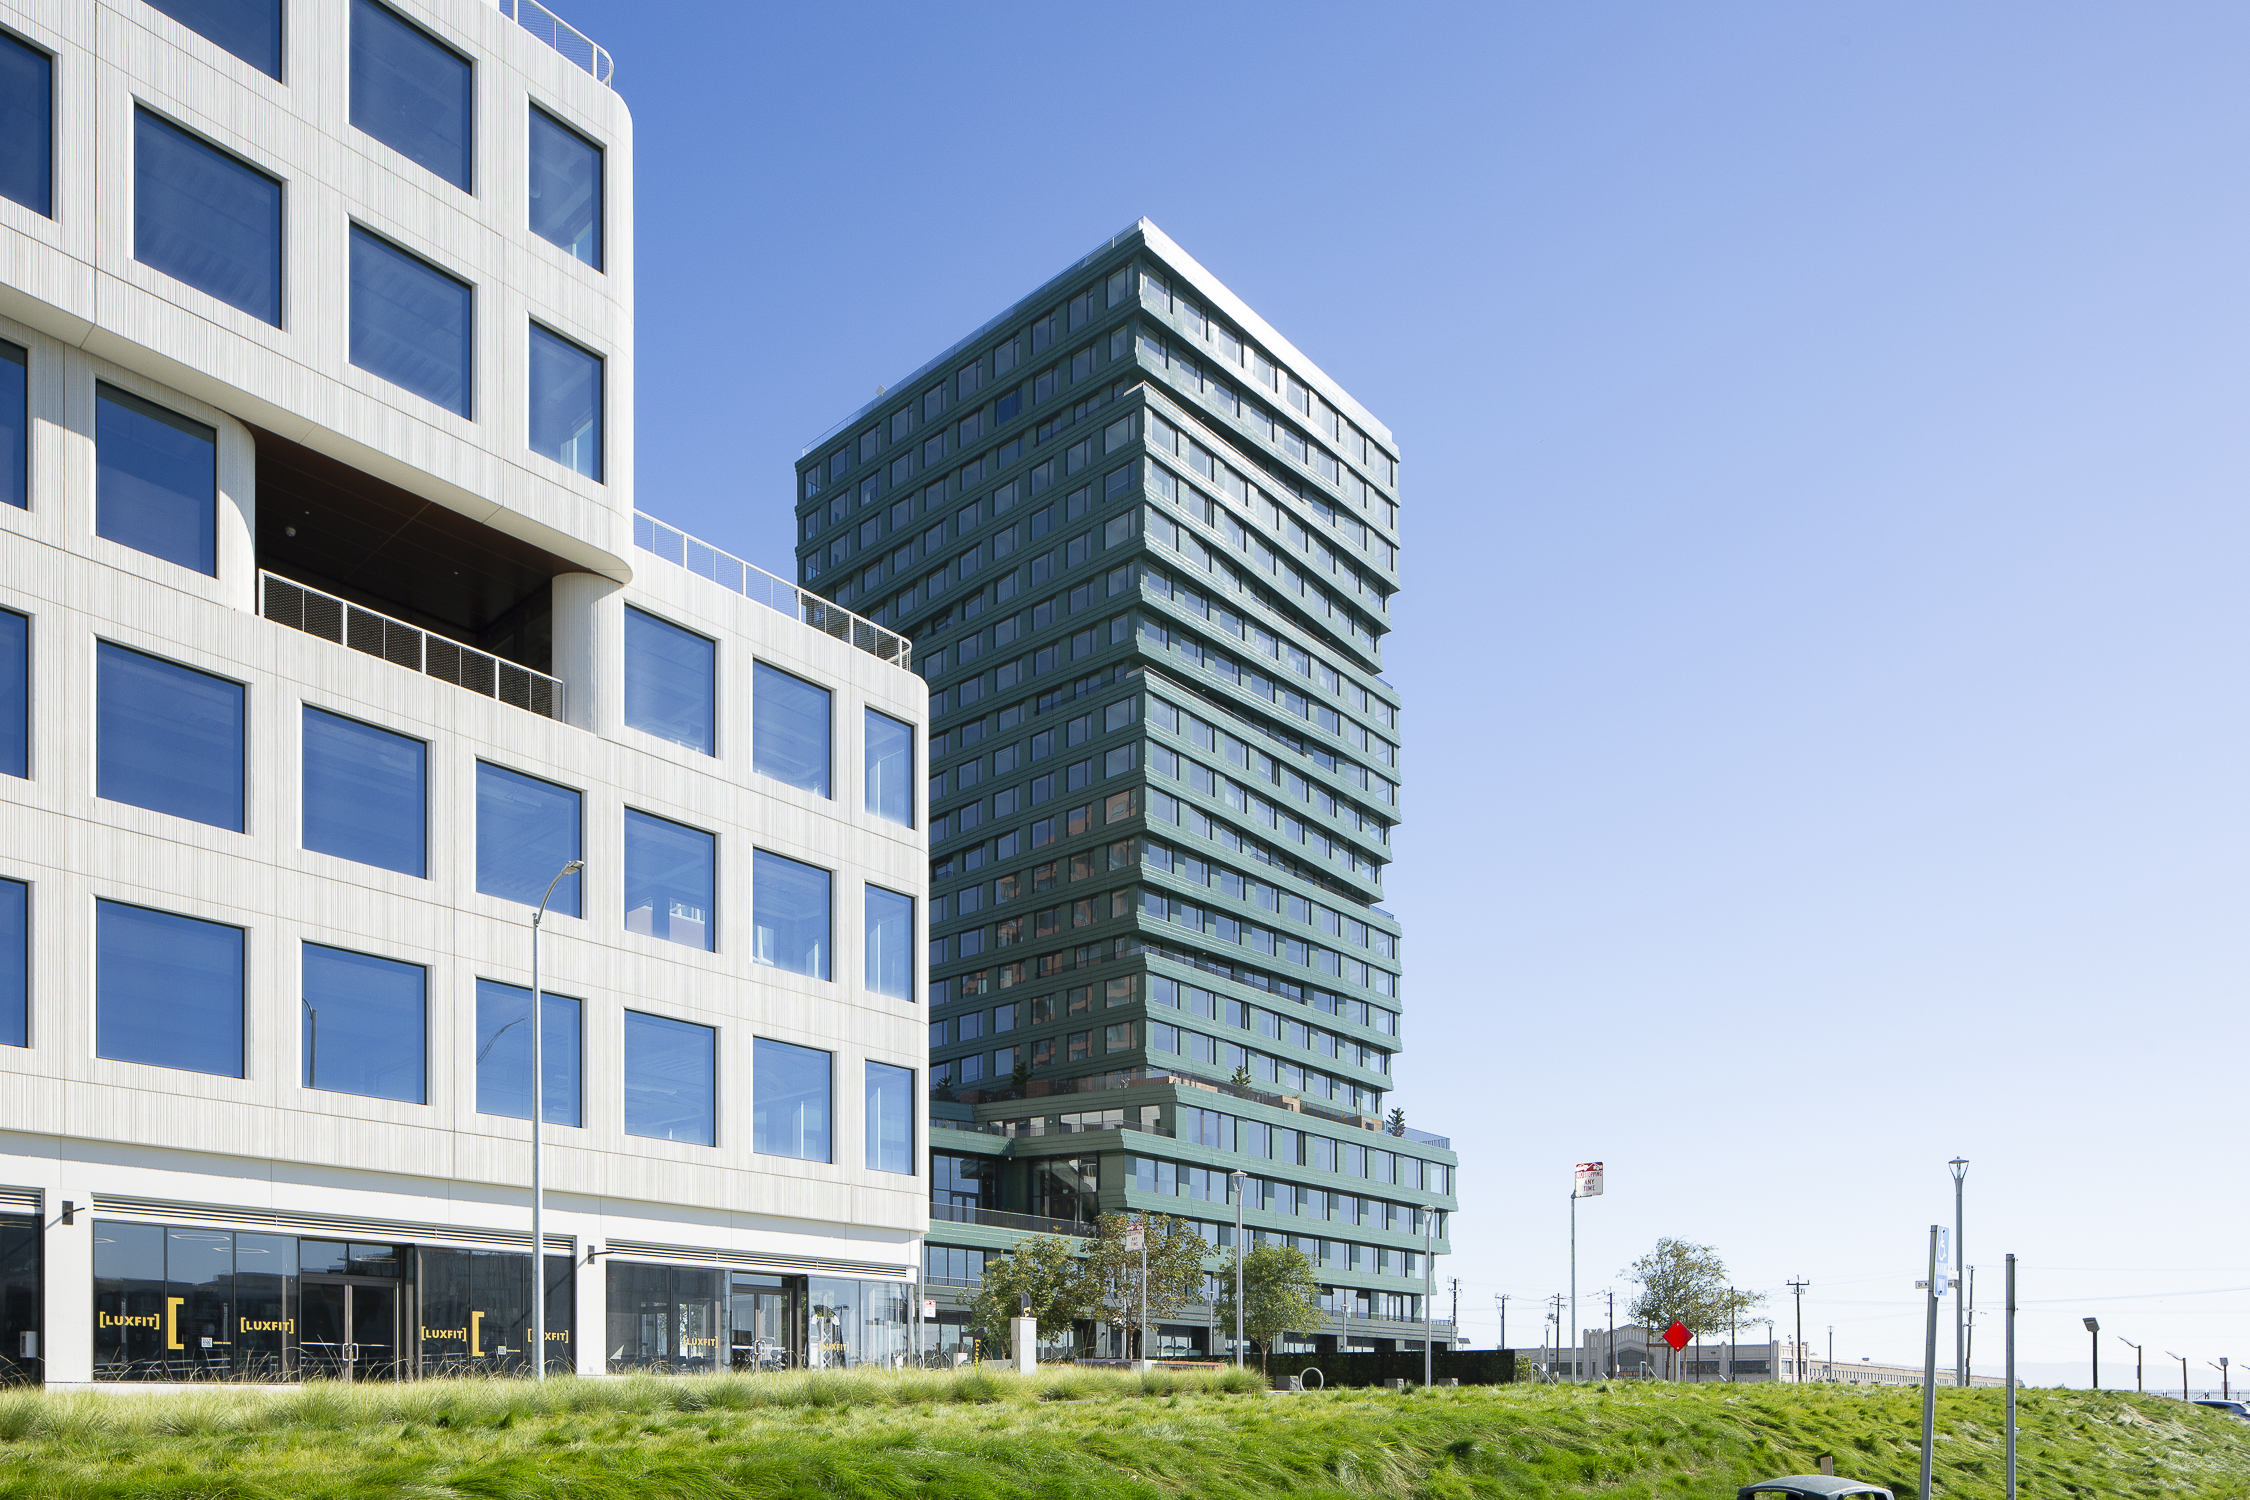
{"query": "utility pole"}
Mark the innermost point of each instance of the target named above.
(1831, 1351)
(1959, 1166)
(1558, 1301)
(1797, 1289)
(1609, 1360)
(1929, 1363)
(1502, 1299)
(1970, 1349)
(1455, 1283)
(2011, 1340)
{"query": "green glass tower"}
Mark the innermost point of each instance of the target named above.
(1145, 550)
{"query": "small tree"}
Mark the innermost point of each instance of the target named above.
(1110, 1275)
(1241, 1078)
(1020, 1080)
(1279, 1293)
(1396, 1125)
(1687, 1284)
(1043, 1267)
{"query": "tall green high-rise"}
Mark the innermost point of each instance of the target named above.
(1145, 550)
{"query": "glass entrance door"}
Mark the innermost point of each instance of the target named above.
(348, 1329)
(766, 1324)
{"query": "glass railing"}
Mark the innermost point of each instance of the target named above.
(753, 582)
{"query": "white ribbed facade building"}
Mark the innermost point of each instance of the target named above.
(189, 1196)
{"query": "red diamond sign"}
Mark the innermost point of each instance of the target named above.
(1677, 1336)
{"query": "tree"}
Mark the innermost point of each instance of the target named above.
(1043, 1267)
(1241, 1078)
(1279, 1293)
(1110, 1275)
(1396, 1125)
(1687, 1284)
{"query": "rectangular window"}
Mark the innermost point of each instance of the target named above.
(671, 876)
(670, 682)
(365, 793)
(527, 829)
(789, 723)
(363, 1025)
(890, 1117)
(168, 738)
(27, 126)
(156, 481)
(15, 694)
(890, 943)
(411, 323)
(167, 990)
(889, 777)
(790, 915)
(250, 29)
(15, 964)
(412, 92)
(566, 188)
(671, 1079)
(566, 403)
(789, 1101)
(206, 218)
(504, 1053)
(15, 402)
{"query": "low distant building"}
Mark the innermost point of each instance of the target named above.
(1636, 1353)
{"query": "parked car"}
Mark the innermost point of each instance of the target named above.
(2231, 1408)
(1809, 1487)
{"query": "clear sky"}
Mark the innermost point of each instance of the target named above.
(1822, 644)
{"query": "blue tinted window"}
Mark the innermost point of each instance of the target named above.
(671, 1079)
(250, 29)
(890, 1118)
(206, 218)
(669, 676)
(15, 427)
(789, 729)
(15, 694)
(527, 829)
(167, 990)
(364, 793)
(669, 880)
(566, 403)
(789, 908)
(15, 963)
(168, 738)
(890, 769)
(363, 1025)
(27, 126)
(566, 188)
(412, 92)
(789, 1101)
(411, 322)
(156, 481)
(504, 1053)
(890, 943)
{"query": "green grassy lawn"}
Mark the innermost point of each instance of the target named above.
(1078, 1436)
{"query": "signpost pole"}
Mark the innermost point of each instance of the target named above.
(1586, 1182)
(1929, 1361)
(2011, 1377)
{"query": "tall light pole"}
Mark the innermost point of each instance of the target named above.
(539, 1140)
(1797, 1289)
(2168, 1354)
(2221, 1367)
(2094, 1336)
(1238, 1177)
(2137, 1389)
(1585, 1182)
(1929, 1364)
(1959, 1166)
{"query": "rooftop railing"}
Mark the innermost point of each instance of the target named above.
(753, 582)
(994, 1218)
(560, 35)
(402, 645)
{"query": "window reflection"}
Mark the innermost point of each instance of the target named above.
(669, 880)
(670, 1079)
(789, 1098)
(503, 1055)
(789, 730)
(790, 915)
(566, 188)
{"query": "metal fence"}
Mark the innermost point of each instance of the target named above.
(754, 582)
(560, 35)
(404, 645)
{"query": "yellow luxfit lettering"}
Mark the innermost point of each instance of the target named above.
(476, 1329)
(172, 1322)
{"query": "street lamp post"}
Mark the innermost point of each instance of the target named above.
(1959, 1166)
(538, 1140)
(2221, 1367)
(2094, 1336)
(1929, 1363)
(2137, 1388)
(1239, 1177)
(1797, 1289)
(1429, 1289)
(2168, 1354)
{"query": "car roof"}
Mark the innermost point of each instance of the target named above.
(1815, 1484)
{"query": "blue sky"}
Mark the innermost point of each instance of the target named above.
(1822, 637)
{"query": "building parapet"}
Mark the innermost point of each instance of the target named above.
(289, 603)
(755, 583)
(559, 34)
